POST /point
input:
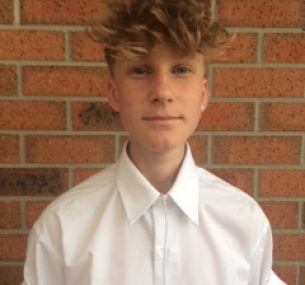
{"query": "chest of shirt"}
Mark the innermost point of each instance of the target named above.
(162, 247)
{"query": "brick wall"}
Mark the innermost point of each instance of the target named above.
(56, 129)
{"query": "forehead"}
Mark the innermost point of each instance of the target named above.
(160, 53)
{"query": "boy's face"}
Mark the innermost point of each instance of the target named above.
(160, 97)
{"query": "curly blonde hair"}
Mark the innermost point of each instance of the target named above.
(134, 27)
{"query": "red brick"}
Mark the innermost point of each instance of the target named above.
(58, 12)
(285, 183)
(243, 49)
(287, 273)
(85, 49)
(31, 45)
(198, 146)
(9, 149)
(260, 13)
(11, 275)
(70, 149)
(33, 182)
(259, 82)
(282, 215)
(256, 150)
(65, 81)
(9, 215)
(240, 178)
(6, 12)
(12, 247)
(289, 247)
(283, 117)
(8, 81)
(32, 115)
(227, 117)
(95, 116)
(287, 48)
(82, 174)
(33, 211)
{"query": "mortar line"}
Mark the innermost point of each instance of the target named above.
(256, 178)
(68, 117)
(300, 216)
(19, 75)
(16, 12)
(23, 214)
(213, 10)
(302, 160)
(68, 46)
(257, 116)
(260, 48)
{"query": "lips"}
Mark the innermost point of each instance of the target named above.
(162, 118)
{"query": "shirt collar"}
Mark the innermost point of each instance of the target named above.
(138, 194)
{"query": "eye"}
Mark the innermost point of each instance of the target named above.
(181, 70)
(140, 71)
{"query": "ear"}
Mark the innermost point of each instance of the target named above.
(112, 95)
(204, 95)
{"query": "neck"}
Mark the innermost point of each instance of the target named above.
(160, 169)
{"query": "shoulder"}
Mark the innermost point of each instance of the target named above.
(230, 207)
(81, 200)
(216, 189)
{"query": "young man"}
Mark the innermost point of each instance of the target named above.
(154, 217)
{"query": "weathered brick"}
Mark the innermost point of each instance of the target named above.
(32, 182)
(283, 117)
(240, 178)
(256, 150)
(33, 211)
(11, 275)
(31, 45)
(95, 116)
(70, 149)
(289, 247)
(9, 149)
(243, 49)
(285, 183)
(12, 247)
(258, 82)
(65, 81)
(198, 146)
(58, 12)
(227, 117)
(8, 81)
(261, 13)
(286, 48)
(9, 215)
(6, 12)
(281, 214)
(32, 115)
(287, 273)
(83, 48)
(84, 173)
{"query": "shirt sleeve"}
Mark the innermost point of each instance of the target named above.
(44, 263)
(261, 260)
(274, 280)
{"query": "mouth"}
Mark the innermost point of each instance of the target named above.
(162, 118)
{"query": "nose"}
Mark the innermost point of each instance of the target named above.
(162, 89)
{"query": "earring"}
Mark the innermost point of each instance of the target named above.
(202, 108)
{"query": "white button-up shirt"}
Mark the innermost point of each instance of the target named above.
(117, 229)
